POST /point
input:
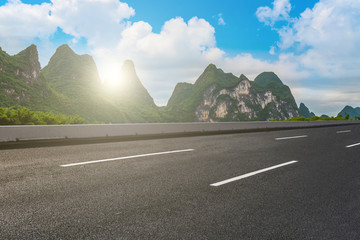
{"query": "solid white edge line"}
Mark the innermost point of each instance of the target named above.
(353, 145)
(284, 138)
(251, 174)
(345, 131)
(127, 157)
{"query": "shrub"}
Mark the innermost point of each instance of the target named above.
(24, 116)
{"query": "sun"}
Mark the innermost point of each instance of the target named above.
(114, 80)
(111, 79)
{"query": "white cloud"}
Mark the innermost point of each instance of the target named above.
(17, 31)
(181, 51)
(247, 64)
(99, 21)
(176, 41)
(272, 50)
(331, 31)
(221, 20)
(324, 41)
(178, 53)
(328, 101)
(280, 11)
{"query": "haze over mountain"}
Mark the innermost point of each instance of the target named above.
(71, 74)
(70, 84)
(129, 88)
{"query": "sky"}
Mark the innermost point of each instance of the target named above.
(312, 45)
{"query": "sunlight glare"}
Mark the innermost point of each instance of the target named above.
(114, 81)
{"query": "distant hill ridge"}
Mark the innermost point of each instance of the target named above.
(305, 112)
(70, 84)
(349, 110)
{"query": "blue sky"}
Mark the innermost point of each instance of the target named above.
(242, 31)
(311, 45)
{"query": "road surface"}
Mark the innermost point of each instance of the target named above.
(293, 184)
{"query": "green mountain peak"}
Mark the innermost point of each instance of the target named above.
(32, 49)
(29, 58)
(212, 74)
(305, 112)
(267, 77)
(243, 77)
(20, 80)
(349, 110)
(211, 67)
(132, 88)
(68, 72)
(64, 48)
(128, 68)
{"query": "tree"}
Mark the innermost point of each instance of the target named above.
(24, 116)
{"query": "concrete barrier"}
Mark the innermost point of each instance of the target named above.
(44, 132)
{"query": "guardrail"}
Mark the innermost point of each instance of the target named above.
(45, 132)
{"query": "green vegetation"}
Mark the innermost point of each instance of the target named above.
(269, 81)
(23, 116)
(186, 97)
(266, 78)
(70, 74)
(323, 118)
(281, 91)
(18, 86)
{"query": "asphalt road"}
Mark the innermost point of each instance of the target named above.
(174, 189)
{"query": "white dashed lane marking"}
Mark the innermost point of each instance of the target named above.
(251, 174)
(293, 137)
(127, 157)
(353, 145)
(345, 131)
